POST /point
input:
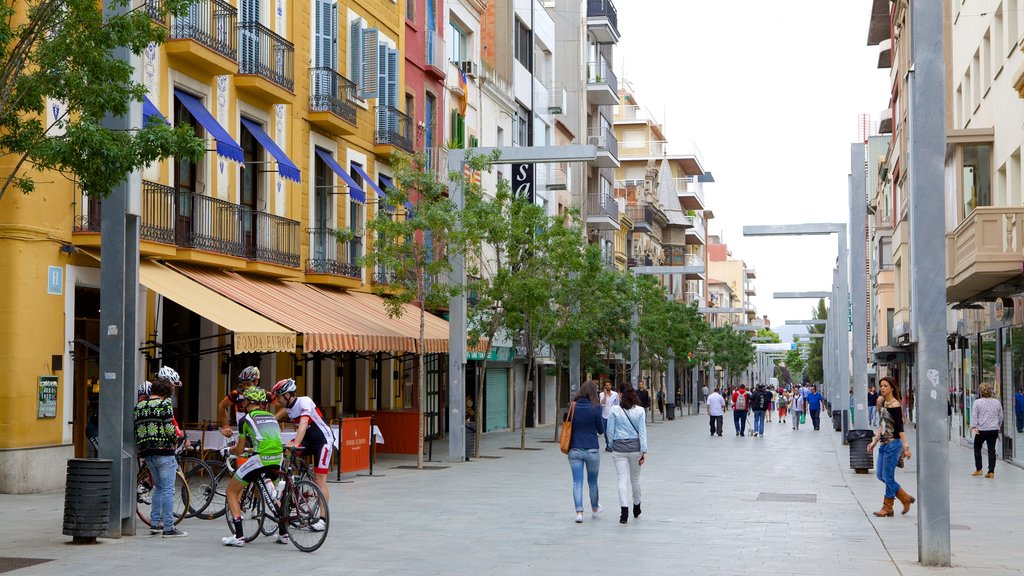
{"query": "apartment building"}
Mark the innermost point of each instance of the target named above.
(731, 284)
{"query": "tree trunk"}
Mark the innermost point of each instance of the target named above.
(422, 375)
(481, 379)
(526, 384)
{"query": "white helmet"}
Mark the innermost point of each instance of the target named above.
(169, 374)
(145, 389)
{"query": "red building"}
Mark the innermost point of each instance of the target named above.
(425, 66)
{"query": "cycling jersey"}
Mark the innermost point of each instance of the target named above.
(263, 435)
(236, 398)
(319, 438)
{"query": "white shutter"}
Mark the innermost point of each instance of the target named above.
(371, 65)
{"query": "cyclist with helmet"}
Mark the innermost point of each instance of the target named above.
(260, 428)
(156, 434)
(248, 377)
(312, 434)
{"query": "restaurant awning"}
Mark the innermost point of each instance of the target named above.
(329, 320)
(285, 167)
(226, 145)
(355, 192)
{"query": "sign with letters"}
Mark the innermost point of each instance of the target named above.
(47, 401)
(54, 280)
(522, 181)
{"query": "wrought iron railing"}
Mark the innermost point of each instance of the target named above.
(602, 205)
(266, 54)
(157, 221)
(393, 128)
(385, 277)
(600, 72)
(327, 255)
(332, 92)
(604, 139)
(603, 9)
(216, 225)
(155, 9)
(642, 216)
(210, 23)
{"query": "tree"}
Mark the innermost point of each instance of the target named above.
(815, 369)
(795, 363)
(64, 50)
(773, 336)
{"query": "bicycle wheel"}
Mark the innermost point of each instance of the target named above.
(144, 496)
(219, 489)
(252, 513)
(200, 480)
(304, 508)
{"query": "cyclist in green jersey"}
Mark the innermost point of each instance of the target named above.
(261, 429)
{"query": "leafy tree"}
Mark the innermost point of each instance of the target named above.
(64, 50)
(795, 364)
(773, 336)
(815, 369)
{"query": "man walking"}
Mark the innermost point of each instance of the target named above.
(761, 401)
(716, 411)
(814, 406)
(872, 405)
(740, 404)
(609, 399)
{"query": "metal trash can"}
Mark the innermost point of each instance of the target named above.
(470, 439)
(87, 499)
(860, 459)
(837, 421)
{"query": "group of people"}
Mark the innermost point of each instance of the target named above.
(257, 415)
(622, 419)
(794, 404)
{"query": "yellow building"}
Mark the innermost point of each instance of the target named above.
(298, 102)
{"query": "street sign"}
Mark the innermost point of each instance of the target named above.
(54, 280)
(522, 181)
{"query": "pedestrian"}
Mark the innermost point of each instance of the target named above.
(584, 450)
(716, 411)
(782, 403)
(760, 401)
(740, 404)
(872, 405)
(627, 429)
(156, 437)
(609, 398)
(772, 397)
(893, 444)
(986, 418)
(814, 406)
(796, 406)
(645, 400)
(704, 392)
(660, 396)
(1018, 409)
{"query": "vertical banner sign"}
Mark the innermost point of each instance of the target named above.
(522, 181)
(47, 401)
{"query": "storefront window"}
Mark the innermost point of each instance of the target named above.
(1013, 385)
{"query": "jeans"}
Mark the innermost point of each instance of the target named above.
(739, 419)
(873, 415)
(1020, 421)
(577, 459)
(627, 468)
(816, 418)
(796, 419)
(716, 424)
(988, 437)
(164, 469)
(759, 422)
(885, 468)
(607, 442)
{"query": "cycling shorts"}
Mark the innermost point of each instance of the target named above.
(321, 450)
(255, 465)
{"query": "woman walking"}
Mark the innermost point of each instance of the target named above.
(583, 447)
(893, 441)
(627, 429)
(782, 402)
(986, 418)
(796, 406)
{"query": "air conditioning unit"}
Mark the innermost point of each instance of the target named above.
(550, 3)
(472, 69)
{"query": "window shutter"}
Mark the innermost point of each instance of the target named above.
(473, 142)
(371, 64)
(355, 40)
(383, 114)
(334, 36)
(454, 139)
(392, 87)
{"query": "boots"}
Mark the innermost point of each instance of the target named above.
(886, 508)
(636, 510)
(905, 499)
(624, 516)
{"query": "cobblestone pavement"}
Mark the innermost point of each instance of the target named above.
(710, 506)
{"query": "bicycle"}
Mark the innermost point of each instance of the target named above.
(144, 495)
(298, 508)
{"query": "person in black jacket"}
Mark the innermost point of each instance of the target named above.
(645, 399)
(760, 402)
(584, 450)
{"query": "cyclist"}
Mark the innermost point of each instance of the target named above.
(155, 437)
(313, 434)
(261, 429)
(248, 377)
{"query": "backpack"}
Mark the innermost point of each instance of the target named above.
(741, 401)
(761, 400)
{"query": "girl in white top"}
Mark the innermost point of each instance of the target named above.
(627, 431)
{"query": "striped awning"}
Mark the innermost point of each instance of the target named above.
(329, 320)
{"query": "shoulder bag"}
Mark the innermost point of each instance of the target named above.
(627, 444)
(566, 437)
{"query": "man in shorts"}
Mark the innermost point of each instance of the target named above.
(261, 429)
(312, 434)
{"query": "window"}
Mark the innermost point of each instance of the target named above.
(355, 220)
(500, 137)
(410, 10)
(410, 105)
(523, 45)
(885, 253)
(975, 173)
(457, 40)
(522, 136)
(1012, 31)
(185, 177)
(428, 120)
(325, 34)
(458, 130)
(321, 242)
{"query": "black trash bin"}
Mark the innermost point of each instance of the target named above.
(860, 459)
(670, 411)
(470, 439)
(87, 499)
(837, 420)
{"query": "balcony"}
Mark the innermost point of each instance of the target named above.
(607, 147)
(984, 251)
(691, 298)
(750, 272)
(642, 216)
(437, 162)
(332, 106)
(749, 289)
(603, 21)
(692, 259)
(558, 99)
(434, 55)
(266, 69)
(384, 277)
(557, 176)
(394, 130)
(204, 38)
(330, 260)
(156, 223)
(602, 212)
(602, 85)
(691, 192)
(641, 149)
(695, 233)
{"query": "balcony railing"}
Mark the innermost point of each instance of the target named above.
(691, 259)
(603, 9)
(558, 176)
(155, 10)
(642, 216)
(695, 226)
(601, 73)
(690, 186)
(602, 205)
(385, 277)
(266, 54)
(157, 219)
(210, 23)
(332, 92)
(329, 256)
(215, 225)
(434, 54)
(393, 128)
(693, 297)
(642, 148)
(605, 141)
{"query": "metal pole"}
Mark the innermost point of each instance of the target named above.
(670, 384)
(858, 283)
(457, 332)
(843, 319)
(634, 351)
(926, 110)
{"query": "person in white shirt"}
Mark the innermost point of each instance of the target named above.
(716, 410)
(609, 399)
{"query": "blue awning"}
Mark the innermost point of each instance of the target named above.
(285, 167)
(150, 111)
(368, 180)
(226, 145)
(355, 192)
(388, 183)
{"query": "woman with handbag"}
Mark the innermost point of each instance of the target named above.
(893, 447)
(986, 419)
(627, 429)
(584, 417)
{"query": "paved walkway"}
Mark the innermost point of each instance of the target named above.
(511, 513)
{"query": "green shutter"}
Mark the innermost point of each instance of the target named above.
(496, 400)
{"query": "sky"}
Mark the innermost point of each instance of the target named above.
(770, 93)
